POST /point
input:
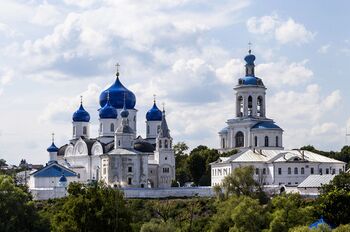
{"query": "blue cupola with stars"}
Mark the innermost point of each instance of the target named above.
(81, 115)
(52, 150)
(154, 114)
(116, 95)
(108, 111)
(250, 78)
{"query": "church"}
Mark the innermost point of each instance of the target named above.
(259, 141)
(117, 156)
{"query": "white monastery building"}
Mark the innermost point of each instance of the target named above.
(117, 156)
(260, 143)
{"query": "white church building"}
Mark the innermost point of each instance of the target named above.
(117, 156)
(260, 143)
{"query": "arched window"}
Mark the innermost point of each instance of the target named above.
(223, 142)
(250, 105)
(239, 139)
(256, 141)
(266, 141)
(119, 143)
(135, 118)
(302, 171)
(260, 112)
(112, 127)
(74, 130)
(289, 171)
(240, 106)
(276, 141)
(160, 143)
(166, 144)
(147, 129)
(100, 127)
(296, 171)
(84, 130)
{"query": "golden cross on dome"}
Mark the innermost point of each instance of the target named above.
(117, 65)
(250, 47)
(154, 98)
(53, 137)
(81, 99)
(163, 106)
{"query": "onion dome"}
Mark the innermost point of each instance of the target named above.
(117, 91)
(250, 58)
(81, 115)
(154, 114)
(108, 111)
(52, 148)
(249, 80)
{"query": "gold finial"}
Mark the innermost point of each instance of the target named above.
(81, 99)
(154, 98)
(53, 137)
(250, 47)
(117, 65)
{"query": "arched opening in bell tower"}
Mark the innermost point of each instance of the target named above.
(260, 112)
(250, 105)
(240, 106)
(239, 139)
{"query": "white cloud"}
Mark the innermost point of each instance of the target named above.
(46, 15)
(284, 32)
(324, 128)
(7, 31)
(324, 49)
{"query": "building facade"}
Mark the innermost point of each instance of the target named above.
(259, 141)
(118, 156)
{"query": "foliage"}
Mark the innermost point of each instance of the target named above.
(92, 208)
(342, 228)
(17, 209)
(290, 210)
(158, 226)
(334, 201)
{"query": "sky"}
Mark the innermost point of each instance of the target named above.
(187, 52)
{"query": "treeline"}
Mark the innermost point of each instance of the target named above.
(342, 155)
(240, 205)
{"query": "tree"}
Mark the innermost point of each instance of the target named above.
(157, 226)
(196, 166)
(248, 216)
(17, 209)
(290, 210)
(180, 148)
(92, 208)
(334, 201)
(241, 182)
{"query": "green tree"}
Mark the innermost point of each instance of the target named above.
(196, 166)
(342, 228)
(290, 210)
(248, 216)
(180, 148)
(156, 225)
(17, 211)
(334, 201)
(92, 208)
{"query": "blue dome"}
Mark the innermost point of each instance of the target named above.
(116, 93)
(249, 80)
(266, 125)
(108, 111)
(52, 148)
(63, 179)
(249, 59)
(81, 115)
(154, 114)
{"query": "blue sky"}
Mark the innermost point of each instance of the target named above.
(189, 53)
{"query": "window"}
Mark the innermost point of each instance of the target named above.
(302, 171)
(134, 118)
(166, 158)
(239, 139)
(256, 141)
(142, 185)
(266, 141)
(73, 130)
(166, 144)
(104, 171)
(340, 170)
(165, 170)
(320, 171)
(223, 142)
(279, 171)
(312, 170)
(333, 171)
(112, 127)
(257, 171)
(160, 143)
(289, 183)
(240, 106)
(129, 181)
(296, 182)
(289, 171)
(296, 171)
(147, 129)
(100, 127)
(327, 171)
(119, 143)
(264, 171)
(250, 105)
(129, 169)
(259, 108)
(276, 141)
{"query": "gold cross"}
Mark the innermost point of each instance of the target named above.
(154, 98)
(250, 47)
(53, 137)
(117, 65)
